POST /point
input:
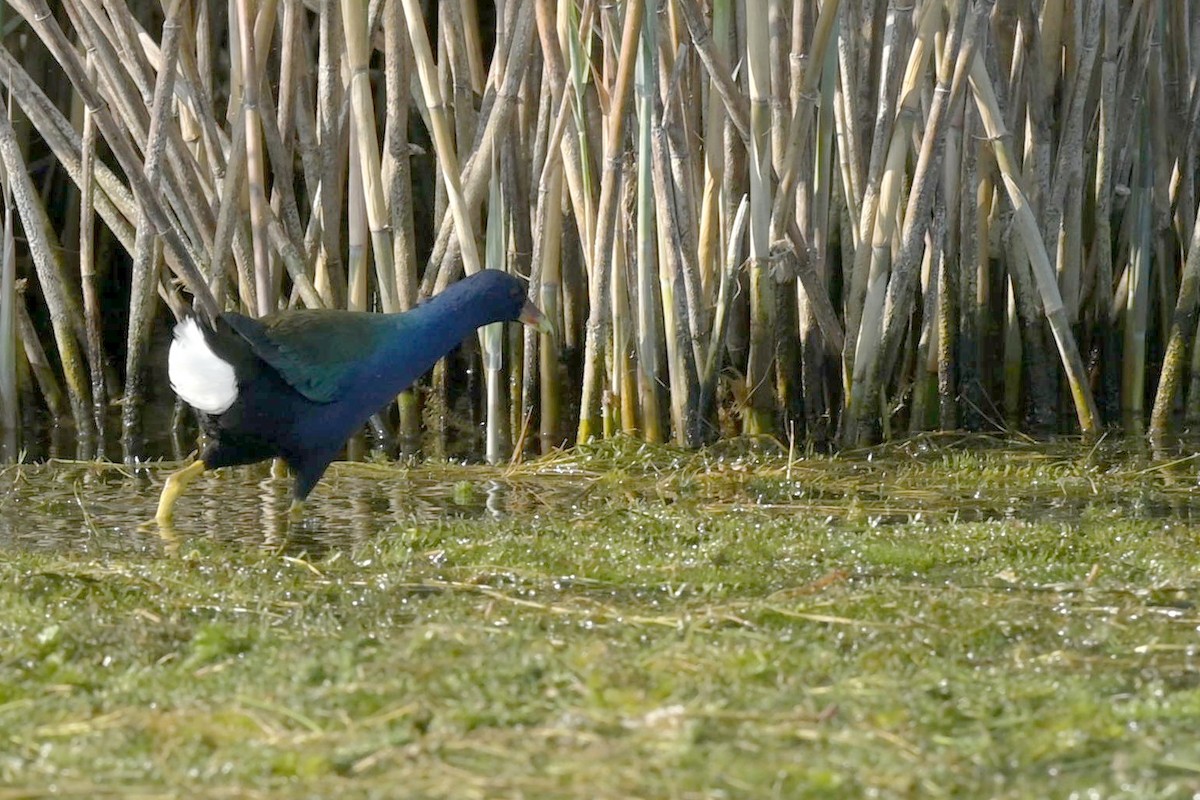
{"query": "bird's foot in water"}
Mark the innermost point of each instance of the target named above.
(176, 482)
(296, 512)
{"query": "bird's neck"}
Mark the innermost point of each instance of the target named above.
(443, 321)
(423, 335)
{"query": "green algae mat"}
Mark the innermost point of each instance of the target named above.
(950, 617)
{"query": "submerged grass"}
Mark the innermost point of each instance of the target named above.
(649, 624)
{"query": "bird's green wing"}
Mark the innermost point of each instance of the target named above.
(315, 351)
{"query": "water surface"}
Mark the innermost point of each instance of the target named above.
(104, 507)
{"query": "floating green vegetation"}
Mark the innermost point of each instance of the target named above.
(928, 620)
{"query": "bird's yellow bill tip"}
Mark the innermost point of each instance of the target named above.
(532, 316)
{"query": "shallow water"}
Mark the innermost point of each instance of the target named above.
(91, 507)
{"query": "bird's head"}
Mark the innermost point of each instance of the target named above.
(505, 294)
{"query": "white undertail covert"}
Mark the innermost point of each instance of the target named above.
(198, 375)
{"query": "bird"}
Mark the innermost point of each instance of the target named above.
(296, 384)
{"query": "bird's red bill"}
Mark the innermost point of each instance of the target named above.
(532, 316)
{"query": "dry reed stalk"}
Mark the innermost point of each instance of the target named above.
(256, 168)
(448, 160)
(114, 203)
(887, 225)
(711, 232)
(693, 153)
(47, 260)
(606, 222)
(799, 130)
(681, 181)
(716, 62)
(859, 271)
(454, 65)
(182, 261)
(513, 156)
(357, 227)
(1183, 333)
(1066, 184)
(849, 138)
(397, 175)
(947, 224)
(566, 137)
(650, 321)
(37, 363)
(496, 237)
(354, 25)
(618, 394)
(547, 279)
(147, 250)
(1085, 406)
(9, 397)
(956, 57)
(679, 284)
(818, 218)
(499, 106)
(87, 279)
(623, 379)
(758, 416)
(549, 287)
(716, 341)
(1137, 299)
(976, 205)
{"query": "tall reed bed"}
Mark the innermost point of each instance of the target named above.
(832, 220)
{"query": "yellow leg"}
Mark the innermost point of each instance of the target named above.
(296, 511)
(174, 487)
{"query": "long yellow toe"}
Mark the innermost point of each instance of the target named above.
(176, 482)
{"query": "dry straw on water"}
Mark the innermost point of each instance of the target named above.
(836, 219)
